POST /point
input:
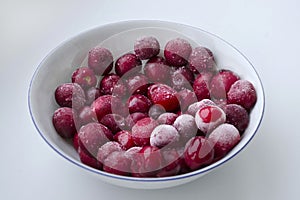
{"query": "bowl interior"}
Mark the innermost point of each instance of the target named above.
(58, 66)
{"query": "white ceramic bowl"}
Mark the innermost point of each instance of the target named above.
(58, 66)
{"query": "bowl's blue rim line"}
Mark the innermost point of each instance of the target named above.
(134, 179)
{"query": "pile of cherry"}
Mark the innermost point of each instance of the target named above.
(147, 115)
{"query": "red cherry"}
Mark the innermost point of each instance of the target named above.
(221, 83)
(210, 114)
(127, 63)
(102, 106)
(117, 163)
(142, 130)
(89, 160)
(125, 139)
(198, 152)
(163, 95)
(100, 60)
(147, 162)
(85, 77)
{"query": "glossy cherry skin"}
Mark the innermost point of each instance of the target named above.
(127, 63)
(163, 95)
(198, 152)
(102, 106)
(201, 85)
(138, 103)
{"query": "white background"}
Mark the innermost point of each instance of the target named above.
(267, 32)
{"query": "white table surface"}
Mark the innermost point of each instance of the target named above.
(267, 32)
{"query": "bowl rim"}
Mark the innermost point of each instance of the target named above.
(143, 179)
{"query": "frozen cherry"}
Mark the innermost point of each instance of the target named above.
(118, 106)
(126, 63)
(64, 122)
(137, 84)
(163, 135)
(224, 138)
(70, 95)
(184, 168)
(124, 138)
(157, 72)
(138, 103)
(157, 59)
(193, 108)
(76, 142)
(186, 98)
(177, 52)
(107, 83)
(147, 162)
(86, 115)
(107, 149)
(198, 152)
(142, 130)
(91, 94)
(209, 117)
(242, 92)
(102, 106)
(117, 163)
(221, 83)
(237, 116)
(89, 160)
(163, 95)
(120, 89)
(171, 163)
(182, 78)
(92, 136)
(167, 118)
(114, 122)
(156, 110)
(201, 85)
(146, 47)
(133, 118)
(85, 77)
(100, 60)
(186, 127)
(201, 59)
(131, 152)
